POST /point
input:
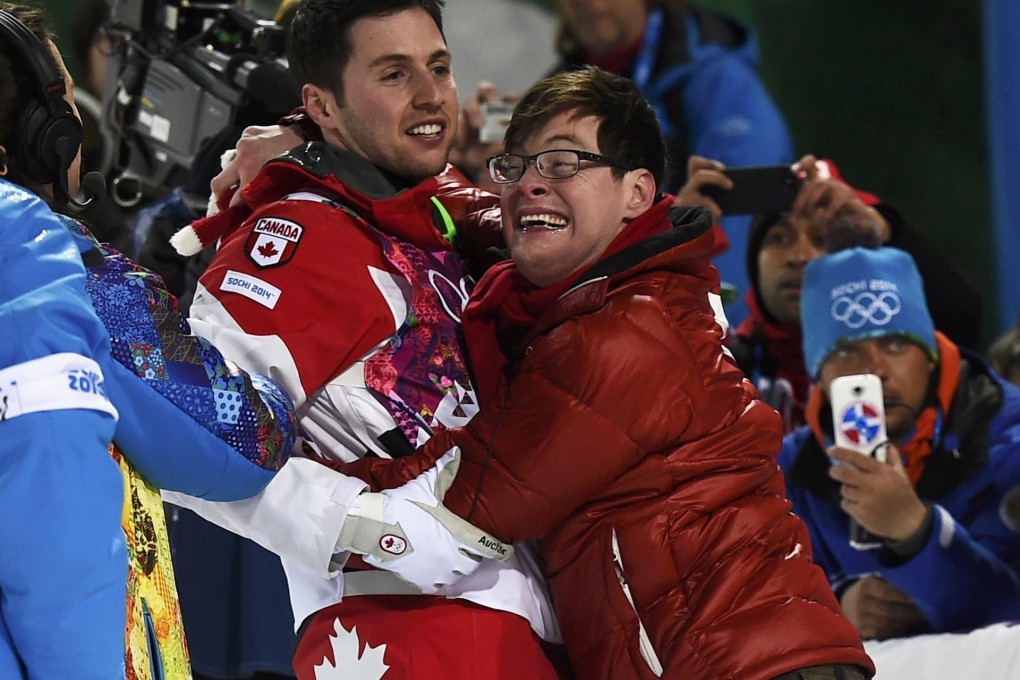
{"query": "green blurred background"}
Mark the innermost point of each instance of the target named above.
(891, 91)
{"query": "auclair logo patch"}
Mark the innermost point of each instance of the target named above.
(273, 241)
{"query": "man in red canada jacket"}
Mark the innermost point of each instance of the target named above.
(340, 276)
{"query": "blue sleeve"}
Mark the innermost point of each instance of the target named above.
(191, 420)
(956, 581)
(44, 308)
(186, 446)
(967, 573)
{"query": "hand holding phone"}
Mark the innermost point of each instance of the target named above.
(858, 424)
(761, 190)
(495, 119)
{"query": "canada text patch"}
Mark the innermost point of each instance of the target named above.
(273, 241)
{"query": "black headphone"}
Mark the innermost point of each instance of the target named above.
(48, 134)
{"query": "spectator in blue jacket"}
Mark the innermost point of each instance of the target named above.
(947, 501)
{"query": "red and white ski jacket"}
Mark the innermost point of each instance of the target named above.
(348, 291)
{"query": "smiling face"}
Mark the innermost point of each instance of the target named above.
(554, 227)
(903, 367)
(399, 101)
(788, 246)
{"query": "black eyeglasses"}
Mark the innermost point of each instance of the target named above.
(507, 168)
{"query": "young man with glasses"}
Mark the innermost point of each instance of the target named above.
(614, 426)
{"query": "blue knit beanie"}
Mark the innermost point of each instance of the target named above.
(862, 293)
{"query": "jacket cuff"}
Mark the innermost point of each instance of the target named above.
(298, 516)
(899, 552)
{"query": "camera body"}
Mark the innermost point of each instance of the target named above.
(180, 74)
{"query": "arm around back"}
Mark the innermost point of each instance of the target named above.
(190, 420)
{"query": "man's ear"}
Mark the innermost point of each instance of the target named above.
(318, 103)
(641, 190)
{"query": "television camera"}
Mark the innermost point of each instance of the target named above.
(184, 77)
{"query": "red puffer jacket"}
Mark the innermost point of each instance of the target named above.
(629, 443)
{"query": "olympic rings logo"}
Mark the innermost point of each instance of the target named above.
(866, 308)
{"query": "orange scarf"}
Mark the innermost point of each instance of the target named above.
(914, 451)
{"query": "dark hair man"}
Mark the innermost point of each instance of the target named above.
(339, 275)
(767, 344)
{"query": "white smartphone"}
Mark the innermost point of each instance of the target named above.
(858, 414)
(858, 423)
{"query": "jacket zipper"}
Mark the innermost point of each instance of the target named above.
(644, 642)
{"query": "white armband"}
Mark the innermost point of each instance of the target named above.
(53, 383)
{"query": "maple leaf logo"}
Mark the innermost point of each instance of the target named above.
(349, 664)
(267, 249)
(394, 545)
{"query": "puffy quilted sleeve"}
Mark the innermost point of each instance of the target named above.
(597, 403)
(477, 216)
(594, 400)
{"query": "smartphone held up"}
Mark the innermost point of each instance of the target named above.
(495, 119)
(858, 423)
(761, 190)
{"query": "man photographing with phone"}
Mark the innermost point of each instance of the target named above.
(787, 234)
(946, 503)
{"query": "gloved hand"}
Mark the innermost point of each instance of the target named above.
(409, 532)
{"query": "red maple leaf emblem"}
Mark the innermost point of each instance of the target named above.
(267, 249)
(394, 545)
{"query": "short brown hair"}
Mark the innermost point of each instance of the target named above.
(628, 130)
